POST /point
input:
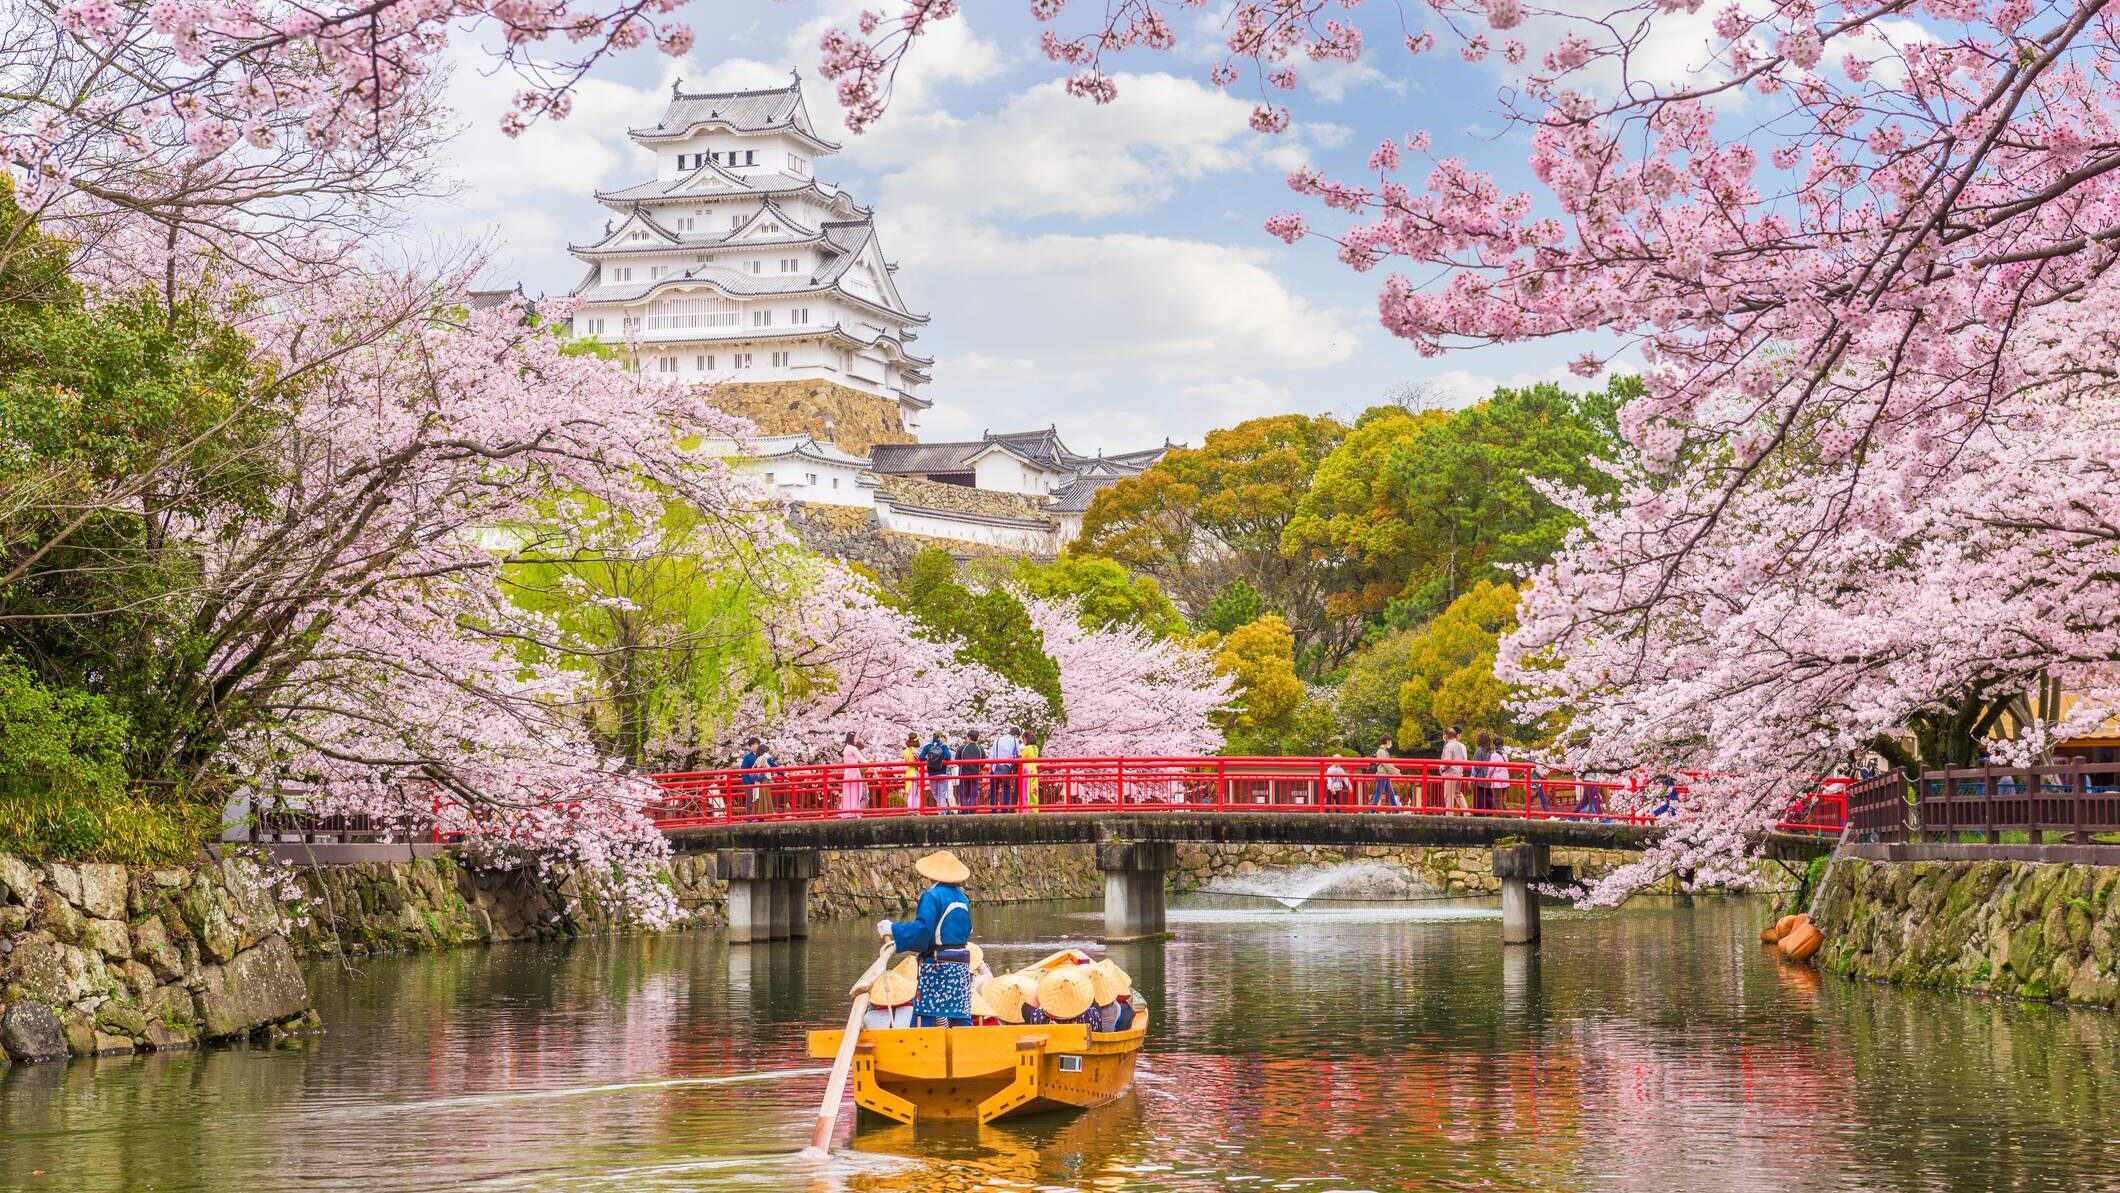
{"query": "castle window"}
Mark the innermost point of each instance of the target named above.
(799, 315)
(835, 482)
(735, 221)
(810, 478)
(677, 313)
(762, 317)
(699, 364)
(758, 267)
(666, 364)
(790, 264)
(655, 271)
(624, 274)
(740, 360)
(780, 360)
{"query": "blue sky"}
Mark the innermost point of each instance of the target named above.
(1102, 268)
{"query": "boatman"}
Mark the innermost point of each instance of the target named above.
(940, 932)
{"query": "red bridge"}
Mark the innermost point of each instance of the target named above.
(1050, 786)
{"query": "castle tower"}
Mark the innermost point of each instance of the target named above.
(735, 264)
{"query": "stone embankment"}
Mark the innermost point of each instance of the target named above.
(99, 959)
(2028, 929)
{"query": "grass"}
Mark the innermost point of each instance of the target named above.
(39, 825)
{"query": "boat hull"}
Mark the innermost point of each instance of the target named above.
(980, 1074)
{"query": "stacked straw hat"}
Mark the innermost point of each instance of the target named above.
(942, 866)
(980, 1008)
(895, 987)
(1066, 992)
(1006, 995)
(1108, 982)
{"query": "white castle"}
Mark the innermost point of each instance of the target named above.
(734, 262)
(736, 265)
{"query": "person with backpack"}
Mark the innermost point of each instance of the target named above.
(935, 760)
(969, 778)
(1008, 747)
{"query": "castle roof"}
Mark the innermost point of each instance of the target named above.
(764, 110)
(1042, 447)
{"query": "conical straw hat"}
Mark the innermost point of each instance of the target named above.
(1066, 993)
(1005, 995)
(942, 866)
(893, 988)
(1108, 982)
(978, 956)
(979, 1007)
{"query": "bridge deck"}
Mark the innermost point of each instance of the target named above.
(1229, 827)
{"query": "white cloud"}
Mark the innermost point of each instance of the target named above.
(1044, 152)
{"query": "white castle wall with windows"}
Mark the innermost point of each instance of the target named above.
(734, 263)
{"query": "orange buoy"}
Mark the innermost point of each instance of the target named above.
(1781, 928)
(1802, 941)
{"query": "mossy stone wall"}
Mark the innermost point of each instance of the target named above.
(2026, 929)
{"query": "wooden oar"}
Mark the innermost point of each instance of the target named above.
(836, 1084)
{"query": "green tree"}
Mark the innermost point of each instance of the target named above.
(672, 635)
(990, 627)
(1205, 516)
(1413, 683)
(1260, 656)
(1413, 507)
(124, 426)
(1108, 593)
(1237, 604)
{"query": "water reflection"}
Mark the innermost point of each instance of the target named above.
(1335, 1048)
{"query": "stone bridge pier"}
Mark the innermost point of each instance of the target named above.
(1133, 887)
(1518, 865)
(769, 892)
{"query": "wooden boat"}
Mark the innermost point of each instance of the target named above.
(925, 1074)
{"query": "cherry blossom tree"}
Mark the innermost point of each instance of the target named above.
(1127, 692)
(856, 665)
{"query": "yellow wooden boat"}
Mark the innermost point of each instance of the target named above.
(926, 1074)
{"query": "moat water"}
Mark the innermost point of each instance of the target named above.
(1326, 1050)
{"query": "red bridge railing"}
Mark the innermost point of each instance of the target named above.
(1045, 785)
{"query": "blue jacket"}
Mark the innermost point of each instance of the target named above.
(918, 935)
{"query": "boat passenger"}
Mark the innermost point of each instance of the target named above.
(1111, 987)
(891, 998)
(1066, 995)
(940, 932)
(1009, 998)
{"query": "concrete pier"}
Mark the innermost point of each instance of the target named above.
(1133, 887)
(769, 892)
(1518, 865)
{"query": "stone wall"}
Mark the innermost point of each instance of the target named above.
(852, 535)
(963, 499)
(853, 420)
(99, 959)
(2029, 929)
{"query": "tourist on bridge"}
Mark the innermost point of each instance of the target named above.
(1030, 770)
(853, 788)
(1490, 779)
(912, 771)
(1007, 748)
(940, 934)
(935, 758)
(1337, 785)
(1385, 771)
(757, 783)
(1453, 780)
(970, 774)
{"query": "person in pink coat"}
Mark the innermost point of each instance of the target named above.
(853, 790)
